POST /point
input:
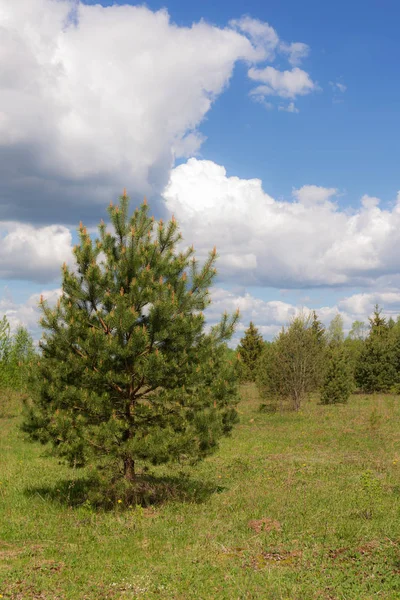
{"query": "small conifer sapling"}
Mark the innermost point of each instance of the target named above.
(250, 350)
(338, 381)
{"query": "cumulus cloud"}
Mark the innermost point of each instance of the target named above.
(33, 253)
(305, 242)
(94, 98)
(285, 84)
(27, 313)
(362, 304)
(270, 316)
(296, 51)
(264, 37)
(309, 195)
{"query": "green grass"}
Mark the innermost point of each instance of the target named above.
(296, 506)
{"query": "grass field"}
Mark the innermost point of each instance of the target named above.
(297, 506)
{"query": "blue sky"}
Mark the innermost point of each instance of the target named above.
(350, 141)
(191, 115)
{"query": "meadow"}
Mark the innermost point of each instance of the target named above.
(293, 506)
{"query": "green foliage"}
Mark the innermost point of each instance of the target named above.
(250, 350)
(335, 333)
(353, 348)
(358, 331)
(5, 350)
(378, 324)
(338, 381)
(318, 329)
(21, 358)
(290, 368)
(376, 369)
(371, 496)
(127, 371)
(16, 353)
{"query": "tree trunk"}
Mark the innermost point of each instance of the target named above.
(129, 469)
(296, 399)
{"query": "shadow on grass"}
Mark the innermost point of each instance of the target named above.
(146, 491)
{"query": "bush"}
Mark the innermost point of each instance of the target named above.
(338, 382)
(290, 367)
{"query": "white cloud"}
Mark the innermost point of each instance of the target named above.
(260, 99)
(285, 84)
(33, 253)
(314, 194)
(338, 90)
(369, 202)
(363, 304)
(296, 51)
(264, 37)
(270, 316)
(106, 97)
(262, 241)
(291, 108)
(338, 87)
(27, 313)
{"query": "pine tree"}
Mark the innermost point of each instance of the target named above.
(127, 373)
(375, 369)
(318, 329)
(250, 350)
(338, 381)
(320, 335)
(378, 324)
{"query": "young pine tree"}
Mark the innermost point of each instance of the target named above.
(250, 350)
(320, 335)
(127, 372)
(376, 366)
(318, 329)
(338, 381)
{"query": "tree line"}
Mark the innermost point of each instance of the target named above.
(305, 357)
